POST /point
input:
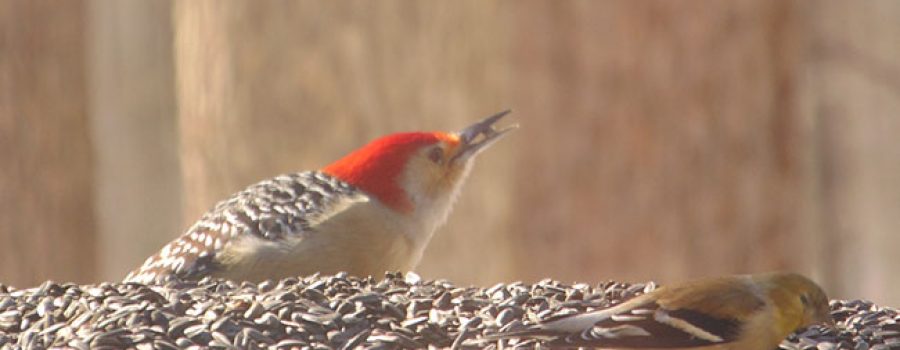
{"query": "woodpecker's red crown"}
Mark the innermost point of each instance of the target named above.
(430, 164)
(376, 167)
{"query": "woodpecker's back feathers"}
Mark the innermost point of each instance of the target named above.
(276, 209)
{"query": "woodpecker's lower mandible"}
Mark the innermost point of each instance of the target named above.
(374, 210)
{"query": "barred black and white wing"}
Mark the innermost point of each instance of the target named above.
(280, 208)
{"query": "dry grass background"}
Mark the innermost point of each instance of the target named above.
(659, 140)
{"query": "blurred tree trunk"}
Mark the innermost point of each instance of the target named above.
(852, 99)
(133, 121)
(272, 87)
(46, 210)
(676, 146)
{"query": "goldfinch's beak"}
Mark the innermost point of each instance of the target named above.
(470, 142)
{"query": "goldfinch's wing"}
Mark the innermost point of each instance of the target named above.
(652, 326)
(612, 327)
(674, 317)
(711, 312)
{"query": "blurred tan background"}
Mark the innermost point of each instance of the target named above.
(660, 140)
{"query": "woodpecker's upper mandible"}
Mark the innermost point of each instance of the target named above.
(372, 211)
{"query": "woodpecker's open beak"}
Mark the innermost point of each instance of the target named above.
(470, 142)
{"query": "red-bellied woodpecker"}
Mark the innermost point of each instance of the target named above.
(372, 211)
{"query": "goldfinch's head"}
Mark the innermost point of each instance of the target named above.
(799, 295)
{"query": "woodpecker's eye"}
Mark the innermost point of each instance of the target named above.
(436, 155)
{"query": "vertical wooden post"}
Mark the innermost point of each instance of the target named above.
(47, 226)
(133, 121)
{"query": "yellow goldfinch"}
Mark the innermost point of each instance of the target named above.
(749, 312)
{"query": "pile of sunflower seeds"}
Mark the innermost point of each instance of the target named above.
(861, 325)
(340, 312)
